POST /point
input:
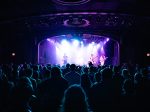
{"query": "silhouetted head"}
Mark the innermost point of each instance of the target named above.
(125, 73)
(24, 89)
(106, 74)
(137, 77)
(73, 67)
(47, 73)
(74, 100)
(115, 70)
(55, 72)
(36, 75)
(28, 72)
(97, 77)
(68, 65)
(144, 72)
(90, 64)
(35, 67)
(85, 81)
(85, 70)
(128, 86)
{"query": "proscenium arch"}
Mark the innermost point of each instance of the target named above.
(116, 47)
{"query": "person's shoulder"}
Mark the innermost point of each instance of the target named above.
(97, 85)
(66, 74)
(69, 72)
(76, 73)
(32, 79)
(61, 82)
(62, 79)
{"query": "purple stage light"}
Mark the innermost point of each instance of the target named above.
(98, 46)
(48, 39)
(107, 39)
(102, 49)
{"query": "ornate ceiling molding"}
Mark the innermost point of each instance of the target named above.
(69, 2)
(76, 22)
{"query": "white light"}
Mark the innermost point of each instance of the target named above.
(13, 54)
(76, 51)
(75, 42)
(148, 54)
(93, 42)
(107, 39)
(48, 39)
(90, 47)
(98, 46)
(63, 42)
(102, 49)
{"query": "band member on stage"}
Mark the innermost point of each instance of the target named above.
(92, 58)
(65, 59)
(102, 59)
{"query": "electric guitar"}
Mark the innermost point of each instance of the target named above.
(102, 60)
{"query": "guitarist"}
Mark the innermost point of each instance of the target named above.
(102, 59)
(65, 59)
(93, 59)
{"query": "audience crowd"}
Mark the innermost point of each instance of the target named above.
(73, 88)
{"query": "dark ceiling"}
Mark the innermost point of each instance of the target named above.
(39, 18)
(12, 9)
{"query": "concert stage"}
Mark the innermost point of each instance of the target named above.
(78, 49)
